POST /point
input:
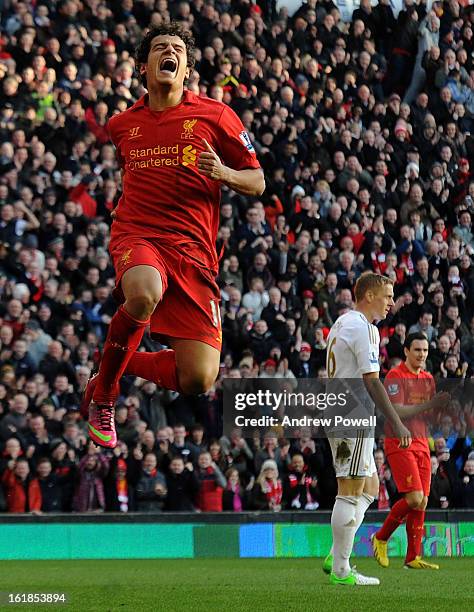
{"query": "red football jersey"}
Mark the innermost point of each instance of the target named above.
(407, 388)
(164, 194)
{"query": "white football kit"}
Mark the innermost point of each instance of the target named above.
(353, 350)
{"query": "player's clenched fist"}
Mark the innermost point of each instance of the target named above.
(404, 435)
(209, 163)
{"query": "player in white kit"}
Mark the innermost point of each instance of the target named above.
(353, 352)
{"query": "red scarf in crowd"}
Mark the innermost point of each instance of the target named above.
(122, 486)
(294, 480)
(272, 490)
(122, 494)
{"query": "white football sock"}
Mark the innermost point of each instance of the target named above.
(364, 502)
(343, 524)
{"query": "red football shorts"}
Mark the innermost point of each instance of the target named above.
(411, 470)
(189, 307)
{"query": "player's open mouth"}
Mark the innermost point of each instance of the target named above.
(168, 65)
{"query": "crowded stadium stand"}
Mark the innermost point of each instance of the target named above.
(363, 123)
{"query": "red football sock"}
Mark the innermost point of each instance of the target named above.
(123, 339)
(395, 518)
(158, 367)
(415, 529)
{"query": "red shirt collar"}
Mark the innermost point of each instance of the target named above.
(404, 369)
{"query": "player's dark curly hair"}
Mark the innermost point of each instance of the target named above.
(167, 29)
(414, 336)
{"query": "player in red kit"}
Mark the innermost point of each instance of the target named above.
(175, 150)
(412, 391)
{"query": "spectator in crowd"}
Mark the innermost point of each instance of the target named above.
(183, 486)
(387, 488)
(272, 450)
(22, 490)
(267, 492)
(442, 480)
(151, 489)
(233, 498)
(428, 37)
(50, 486)
(92, 470)
(37, 341)
(148, 442)
(21, 361)
(63, 461)
(125, 427)
(11, 452)
(256, 299)
(37, 439)
(466, 492)
(152, 405)
(119, 489)
(300, 488)
(211, 484)
(181, 447)
(197, 439)
(163, 452)
(220, 458)
(301, 363)
(237, 449)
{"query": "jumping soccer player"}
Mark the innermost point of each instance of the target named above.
(170, 144)
(411, 391)
(353, 352)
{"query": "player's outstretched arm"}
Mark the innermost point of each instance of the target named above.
(440, 400)
(247, 182)
(379, 395)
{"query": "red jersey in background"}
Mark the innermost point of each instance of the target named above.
(409, 389)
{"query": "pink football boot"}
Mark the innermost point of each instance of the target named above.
(101, 425)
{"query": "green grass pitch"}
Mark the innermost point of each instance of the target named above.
(237, 585)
